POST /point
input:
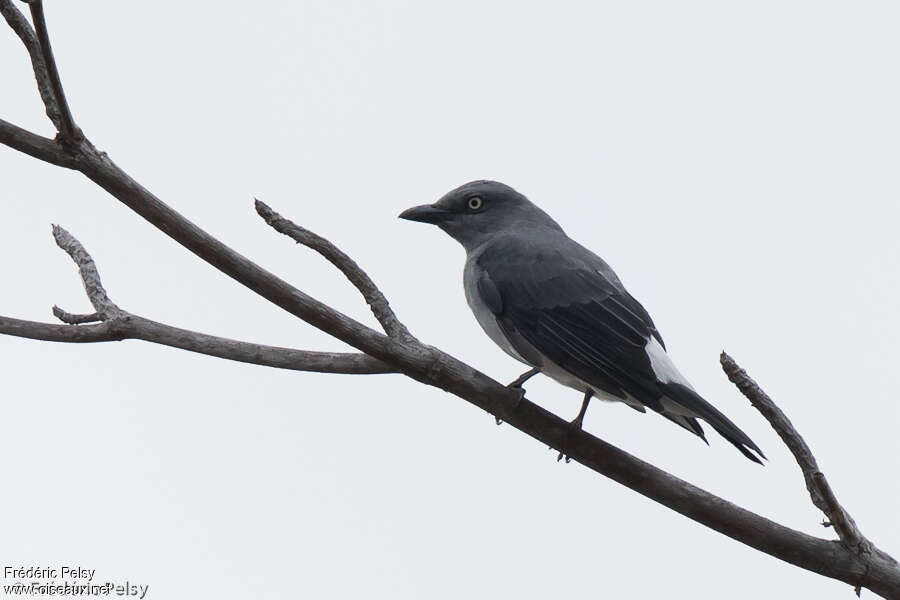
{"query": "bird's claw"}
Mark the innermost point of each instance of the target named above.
(575, 425)
(520, 390)
(516, 385)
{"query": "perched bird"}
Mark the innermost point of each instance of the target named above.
(554, 305)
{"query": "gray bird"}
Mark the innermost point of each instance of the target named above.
(554, 305)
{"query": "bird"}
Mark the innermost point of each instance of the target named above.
(557, 307)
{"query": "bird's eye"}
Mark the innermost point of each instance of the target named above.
(475, 203)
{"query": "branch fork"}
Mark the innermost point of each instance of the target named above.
(109, 323)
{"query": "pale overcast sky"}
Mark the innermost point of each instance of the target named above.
(736, 163)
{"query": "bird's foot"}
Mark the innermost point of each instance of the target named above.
(518, 382)
(521, 397)
(575, 425)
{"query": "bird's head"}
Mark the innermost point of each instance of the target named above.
(474, 212)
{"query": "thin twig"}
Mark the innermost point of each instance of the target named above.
(819, 491)
(67, 127)
(128, 326)
(373, 296)
(96, 293)
(22, 27)
(74, 319)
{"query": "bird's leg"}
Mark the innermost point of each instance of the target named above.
(577, 424)
(517, 384)
(579, 420)
(521, 379)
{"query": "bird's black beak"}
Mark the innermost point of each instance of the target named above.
(426, 213)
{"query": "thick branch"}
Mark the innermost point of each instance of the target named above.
(819, 490)
(52, 332)
(370, 292)
(34, 145)
(877, 572)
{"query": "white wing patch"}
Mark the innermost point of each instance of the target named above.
(662, 365)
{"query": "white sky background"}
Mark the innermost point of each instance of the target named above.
(735, 163)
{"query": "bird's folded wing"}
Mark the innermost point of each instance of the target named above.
(572, 313)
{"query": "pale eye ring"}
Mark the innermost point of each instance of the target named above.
(475, 203)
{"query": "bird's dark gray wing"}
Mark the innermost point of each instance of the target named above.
(569, 306)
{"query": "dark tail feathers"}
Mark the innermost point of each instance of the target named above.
(692, 401)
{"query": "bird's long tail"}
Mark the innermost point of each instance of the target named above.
(694, 403)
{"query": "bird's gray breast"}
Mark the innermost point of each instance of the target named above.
(481, 306)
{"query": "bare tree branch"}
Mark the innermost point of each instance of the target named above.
(100, 169)
(106, 308)
(269, 356)
(134, 327)
(20, 25)
(373, 296)
(819, 490)
(74, 319)
(116, 324)
(39, 147)
(52, 332)
(66, 125)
